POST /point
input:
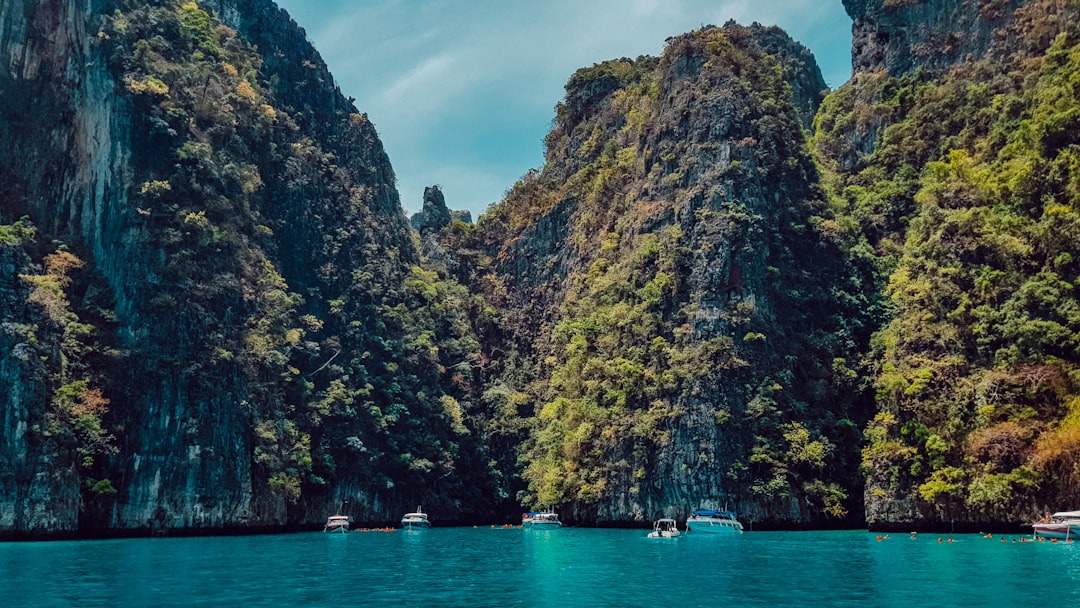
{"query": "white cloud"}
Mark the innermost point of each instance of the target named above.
(425, 85)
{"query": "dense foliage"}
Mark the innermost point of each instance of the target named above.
(689, 305)
(270, 311)
(356, 380)
(679, 301)
(970, 200)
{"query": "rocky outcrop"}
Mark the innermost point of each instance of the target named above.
(902, 36)
(799, 69)
(897, 43)
(662, 238)
(39, 493)
(245, 252)
(933, 80)
(64, 163)
(434, 215)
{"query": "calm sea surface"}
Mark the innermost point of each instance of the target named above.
(568, 567)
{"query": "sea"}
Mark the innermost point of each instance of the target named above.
(568, 567)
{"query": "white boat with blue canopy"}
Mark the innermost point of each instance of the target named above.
(540, 520)
(712, 521)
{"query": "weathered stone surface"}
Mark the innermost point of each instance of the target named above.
(722, 167)
(902, 36)
(186, 453)
(39, 497)
(434, 215)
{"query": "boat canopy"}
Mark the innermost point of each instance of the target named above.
(1068, 514)
(538, 513)
(714, 513)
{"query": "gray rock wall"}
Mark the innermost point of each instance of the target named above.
(901, 36)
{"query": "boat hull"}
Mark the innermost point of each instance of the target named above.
(712, 527)
(415, 525)
(337, 523)
(1058, 530)
(540, 520)
(542, 525)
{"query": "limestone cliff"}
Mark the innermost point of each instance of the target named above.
(214, 314)
(925, 39)
(230, 335)
(971, 432)
(669, 292)
(434, 215)
(38, 492)
(901, 36)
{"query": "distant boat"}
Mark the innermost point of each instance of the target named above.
(415, 521)
(337, 523)
(711, 521)
(665, 528)
(1064, 524)
(540, 520)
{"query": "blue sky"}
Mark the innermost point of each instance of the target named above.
(462, 92)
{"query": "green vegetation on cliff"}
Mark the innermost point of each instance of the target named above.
(226, 321)
(693, 323)
(247, 338)
(971, 200)
(352, 353)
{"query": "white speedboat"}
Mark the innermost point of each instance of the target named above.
(337, 523)
(1064, 524)
(415, 521)
(665, 528)
(540, 520)
(711, 521)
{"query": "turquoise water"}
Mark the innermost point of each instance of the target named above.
(568, 567)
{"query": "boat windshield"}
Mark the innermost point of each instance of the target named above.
(714, 513)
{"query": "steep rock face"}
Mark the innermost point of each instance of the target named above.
(434, 215)
(973, 400)
(246, 337)
(64, 162)
(898, 43)
(657, 256)
(893, 39)
(899, 36)
(39, 494)
(67, 118)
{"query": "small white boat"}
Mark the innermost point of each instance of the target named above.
(1064, 524)
(540, 520)
(711, 521)
(415, 521)
(337, 523)
(665, 528)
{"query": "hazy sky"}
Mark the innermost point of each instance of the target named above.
(462, 92)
